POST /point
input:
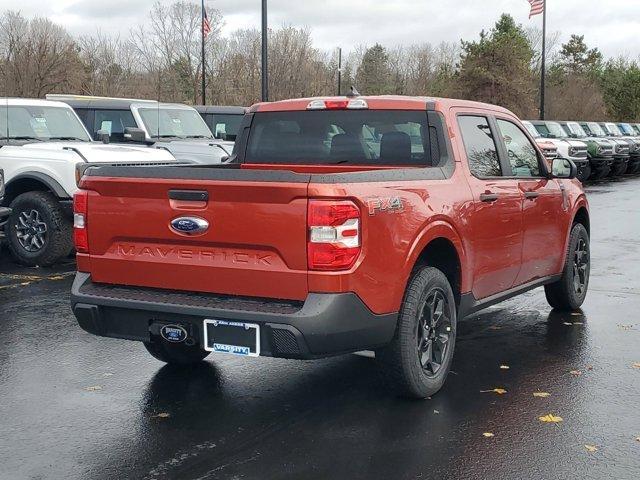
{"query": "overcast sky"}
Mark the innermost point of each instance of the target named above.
(613, 26)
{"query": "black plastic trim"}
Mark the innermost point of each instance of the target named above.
(49, 182)
(469, 304)
(325, 325)
(189, 195)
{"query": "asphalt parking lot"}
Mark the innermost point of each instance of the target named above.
(74, 406)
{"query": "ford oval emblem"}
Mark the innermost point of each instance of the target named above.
(190, 225)
(173, 333)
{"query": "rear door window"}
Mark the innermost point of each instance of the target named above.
(113, 122)
(362, 137)
(480, 145)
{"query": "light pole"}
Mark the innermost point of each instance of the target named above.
(265, 62)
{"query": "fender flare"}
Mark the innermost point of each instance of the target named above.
(49, 182)
(439, 228)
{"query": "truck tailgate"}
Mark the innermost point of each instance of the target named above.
(255, 244)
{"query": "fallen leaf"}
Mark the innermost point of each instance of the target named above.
(550, 419)
(541, 394)
(590, 367)
(95, 388)
(488, 435)
(575, 373)
(499, 391)
(626, 327)
(504, 367)
(636, 365)
(162, 415)
(591, 448)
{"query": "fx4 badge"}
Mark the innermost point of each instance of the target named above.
(389, 204)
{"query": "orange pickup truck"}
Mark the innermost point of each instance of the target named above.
(338, 225)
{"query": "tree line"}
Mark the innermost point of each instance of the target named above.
(160, 59)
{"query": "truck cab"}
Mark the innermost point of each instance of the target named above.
(174, 127)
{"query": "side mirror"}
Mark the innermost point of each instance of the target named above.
(563, 168)
(103, 136)
(135, 135)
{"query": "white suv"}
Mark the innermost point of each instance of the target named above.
(42, 144)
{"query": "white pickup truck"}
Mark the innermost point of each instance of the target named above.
(41, 144)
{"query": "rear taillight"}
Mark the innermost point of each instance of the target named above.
(80, 211)
(334, 235)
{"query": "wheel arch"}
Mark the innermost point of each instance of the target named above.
(33, 182)
(440, 247)
(582, 216)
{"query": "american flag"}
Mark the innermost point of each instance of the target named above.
(206, 25)
(537, 7)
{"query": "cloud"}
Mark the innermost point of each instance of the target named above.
(612, 26)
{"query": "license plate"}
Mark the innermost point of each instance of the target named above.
(236, 338)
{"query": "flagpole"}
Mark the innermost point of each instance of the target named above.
(204, 70)
(543, 72)
(265, 51)
(339, 71)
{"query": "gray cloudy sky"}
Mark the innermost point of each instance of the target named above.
(613, 25)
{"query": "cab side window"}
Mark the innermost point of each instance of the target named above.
(113, 122)
(523, 157)
(480, 145)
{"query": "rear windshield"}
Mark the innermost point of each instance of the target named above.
(352, 137)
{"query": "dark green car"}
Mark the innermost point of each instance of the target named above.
(600, 150)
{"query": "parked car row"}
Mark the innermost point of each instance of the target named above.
(43, 141)
(599, 150)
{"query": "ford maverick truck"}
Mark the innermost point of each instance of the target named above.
(339, 225)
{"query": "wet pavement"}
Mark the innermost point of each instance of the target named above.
(73, 406)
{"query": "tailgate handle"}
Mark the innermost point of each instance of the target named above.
(189, 195)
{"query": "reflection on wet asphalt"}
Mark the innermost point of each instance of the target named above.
(74, 406)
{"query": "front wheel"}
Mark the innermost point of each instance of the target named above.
(175, 354)
(38, 231)
(570, 291)
(417, 361)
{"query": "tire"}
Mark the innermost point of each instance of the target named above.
(408, 364)
(600, 173)
(38, 214)
(585, 173)
(570, 291)
(175, 354)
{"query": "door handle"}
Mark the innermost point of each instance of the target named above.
(489, 197)
(531, 195)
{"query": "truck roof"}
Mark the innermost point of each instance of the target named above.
(221, 109)
(379, 102)
(31, 102)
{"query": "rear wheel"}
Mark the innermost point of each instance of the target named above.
(38, 231)
(417, 361)
(569, 292)
(174, 353)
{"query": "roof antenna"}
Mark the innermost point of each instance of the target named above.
(353, 92)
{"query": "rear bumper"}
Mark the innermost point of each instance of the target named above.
(323, 325)
(4, 216)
